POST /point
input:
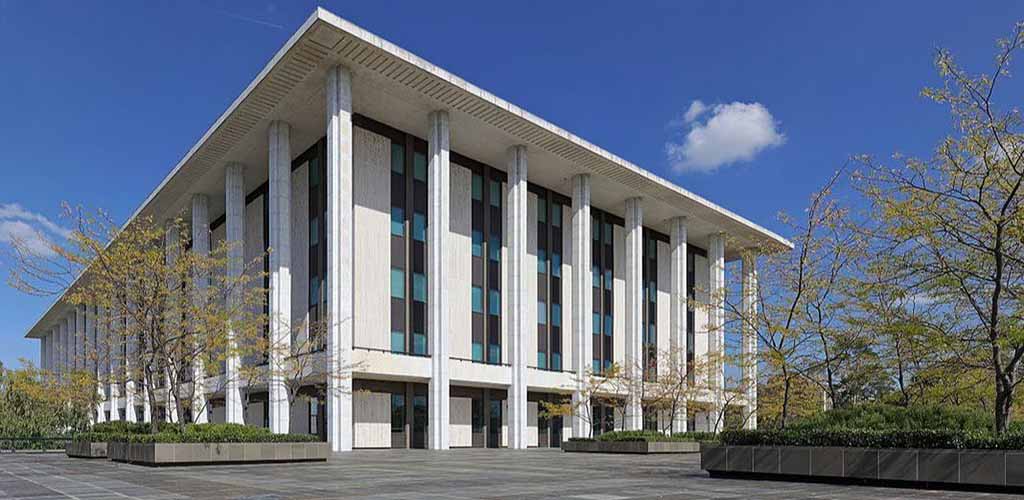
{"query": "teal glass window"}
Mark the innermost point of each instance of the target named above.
(596, 322)
(542, 261)
(494, 248)
(595, 229)
(419, 227)
(478, 351)
(556, 265)
(542, 210)
(397, 158)
(494, 302)
(419, 343)
(596, 366)
(419, 287)
(595, 273)
(314, 231)
(314, 173)
(397, 341)
(556, 215)
(419, 167)
(397, 283)
(495, 353)
(478, 300)
(478, 244)
(607, 233)
(556, 314)
(314, 291)
(556, 361)
(608, 325)
(542, 361)
(478, 188)
(495, 193)
(542, 312)
(398, 221)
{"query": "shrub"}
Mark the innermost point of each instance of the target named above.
(653, 436)
(215, 433)
(869, 438)
(878, 416)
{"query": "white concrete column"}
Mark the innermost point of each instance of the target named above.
(582, 299)
(750, 300)
(102, 359)
(234, 233)
(634, 356)
(716, 325)
(340, 258)
(280, 192)
(128, 363)
(69, 345)
(200, 246)
(80, 338)
(438, 219)
(516, 300)
(171, 247)
(678, 317)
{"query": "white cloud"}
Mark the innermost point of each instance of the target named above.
(17, 212)
(696, 109)
(732, 133)
(34, 231)
(16, 232)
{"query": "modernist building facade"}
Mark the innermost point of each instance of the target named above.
(481, 260)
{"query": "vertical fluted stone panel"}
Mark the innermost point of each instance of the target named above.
(234, 234)
(634, 311)
(279, 192)
(749, 339)
(716, 326)
(582, 296)
(340, 257)
(678, 316)
(200, 246)
(438, 219)
(516, 298)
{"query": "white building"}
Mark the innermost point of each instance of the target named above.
(486, 257)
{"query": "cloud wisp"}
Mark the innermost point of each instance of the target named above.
(32, 230)
(721, 135)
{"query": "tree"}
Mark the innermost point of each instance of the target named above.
(800, 304)
(604, 389)
(954, 222)
(177, 314)
(35, 403)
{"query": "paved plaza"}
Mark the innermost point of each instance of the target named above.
(415, 474)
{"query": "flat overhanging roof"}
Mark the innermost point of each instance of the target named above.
(393, 86)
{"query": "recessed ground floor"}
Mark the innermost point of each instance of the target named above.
(420, 474)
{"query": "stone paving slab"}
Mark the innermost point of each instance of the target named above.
(417, 474)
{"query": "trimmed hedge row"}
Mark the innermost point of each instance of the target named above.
(651, 437)
(865, 438)
(198, 433)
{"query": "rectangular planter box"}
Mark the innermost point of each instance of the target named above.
(911, 467)
(641, 447)
(86, 449)
(156, 454)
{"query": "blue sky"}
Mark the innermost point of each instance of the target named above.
(98, 99)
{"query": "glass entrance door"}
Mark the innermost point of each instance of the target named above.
(494, 425)
(419, 421)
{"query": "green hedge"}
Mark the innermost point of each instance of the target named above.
(864, 438)
(215, 433)
(878, 416)
(124, 432)
(651, 436)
